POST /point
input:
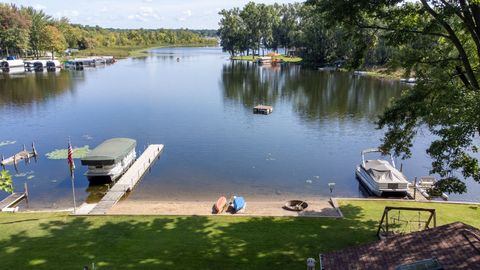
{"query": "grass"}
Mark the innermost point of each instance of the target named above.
(282, 57)
(130, 51)
(59, 241)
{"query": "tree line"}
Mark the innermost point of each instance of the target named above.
(298, 29)
(27, 31)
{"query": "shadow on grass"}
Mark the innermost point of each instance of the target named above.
(146, 242)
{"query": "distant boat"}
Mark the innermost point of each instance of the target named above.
(10, 65)
(110, 159)
(53, 65)
(238, 203)
(409, 80)
(264, 60)
(380, 176)
(39, 65)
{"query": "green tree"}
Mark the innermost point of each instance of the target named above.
(232, 31)
(39, 21)
(53, 40)
(14, 27)
(6, 183)
(439, 41)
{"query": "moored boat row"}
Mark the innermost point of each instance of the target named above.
(41, 65)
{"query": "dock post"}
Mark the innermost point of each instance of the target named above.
(415, 189)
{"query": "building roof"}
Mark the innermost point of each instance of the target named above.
(109, 152)
(454, 246)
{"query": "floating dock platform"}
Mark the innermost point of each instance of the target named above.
(127, 182)
(262, 109)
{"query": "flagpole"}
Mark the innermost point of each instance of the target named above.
(73, 192)
(71, 164)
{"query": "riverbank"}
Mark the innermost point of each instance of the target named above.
(284, 58)
(32, 240)
(133, 51)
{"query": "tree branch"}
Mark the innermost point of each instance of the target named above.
(403, 30)
(472, 80)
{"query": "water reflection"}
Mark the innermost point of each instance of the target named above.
(313, 94)
(28, 88)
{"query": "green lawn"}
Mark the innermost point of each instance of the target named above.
(58, 241)
(282, 57)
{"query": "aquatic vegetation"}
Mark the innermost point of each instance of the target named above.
(7, 142)
(25, 174)
(78, 152)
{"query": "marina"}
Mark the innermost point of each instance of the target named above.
(16, 66)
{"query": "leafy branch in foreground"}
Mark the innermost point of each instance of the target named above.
(438, 41)
(6, 183)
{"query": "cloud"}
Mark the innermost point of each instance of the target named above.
(187, 12)
(39, 6)
(68, 13)
(144, 14)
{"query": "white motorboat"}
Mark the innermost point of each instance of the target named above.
(110, 159)
(380, 175)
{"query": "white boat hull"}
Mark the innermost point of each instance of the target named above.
(114, 171)
(374, 187)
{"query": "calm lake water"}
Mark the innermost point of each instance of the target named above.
(201, 109)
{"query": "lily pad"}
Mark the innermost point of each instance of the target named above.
(4, 143)
(78, 152)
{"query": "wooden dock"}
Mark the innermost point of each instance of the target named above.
(7, 204)
(128, 181)
(24, 154)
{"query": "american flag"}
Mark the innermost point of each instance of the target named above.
(71, 163)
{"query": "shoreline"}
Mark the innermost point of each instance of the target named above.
(133, 51)
(205, 208)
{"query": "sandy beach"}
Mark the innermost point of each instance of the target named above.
(316, 208)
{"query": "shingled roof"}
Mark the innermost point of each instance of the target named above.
(454, 246)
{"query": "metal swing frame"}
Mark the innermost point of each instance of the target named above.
(384, 226)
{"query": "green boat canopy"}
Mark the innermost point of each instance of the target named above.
(109, 152)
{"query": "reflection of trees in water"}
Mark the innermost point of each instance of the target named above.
(322, 94)
(27, 88)
(314, 94)
(250, 84)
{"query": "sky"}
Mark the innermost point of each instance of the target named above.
(191, 14)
